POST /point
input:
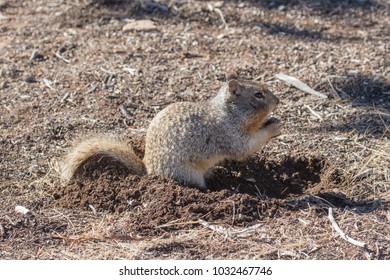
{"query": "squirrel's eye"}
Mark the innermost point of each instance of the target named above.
(258, 94)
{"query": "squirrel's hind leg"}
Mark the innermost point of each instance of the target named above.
(190, 177)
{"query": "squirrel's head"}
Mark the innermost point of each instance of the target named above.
(252, 101)
(250, 96)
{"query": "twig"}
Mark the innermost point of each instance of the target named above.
(260, 77)
(61, 57)
(216, 228)
(336, 95)
(33, 54)
(47, 83)
(247, 231)
(383, 121)
(92, 89)
(131, 71)
(379, 152)
(314, 113)
(2, 17)
(341, 233)
(234, 212)
(77, 237)
(112, 73)
(10, 221)
(81, 238)
(228, 232)
(345, 95)
(63, 99)
(108, 79)
(124, 111)
(134, 127)
(219, 12)
(93, 209)
(69, 220)
(323, 199)
(8, 108)
(299, 85)
(2, 231)
(170, 224)
(84, 118)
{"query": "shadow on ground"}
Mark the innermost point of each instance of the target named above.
(336, 200)
(322, 6)
(363, 89)
(262, 178)
(302, 182)
(325, 7)
(373, 123)
(372, 93)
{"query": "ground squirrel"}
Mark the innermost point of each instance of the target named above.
(186, 139)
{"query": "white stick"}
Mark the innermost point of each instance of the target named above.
(22, 210)
(124, 111)
(247, 231)
(61, 57)
(242, 233)
(33, 54)
(93, 209)
(47, 83)
(335, 93)
(108, 71)
(299, 85)
(63, 99)
(219, 12)
(341, 233)
(216, 228)
(314, 113)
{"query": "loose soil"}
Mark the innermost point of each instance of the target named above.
(67, 69)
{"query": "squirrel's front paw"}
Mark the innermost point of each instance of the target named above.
(273, 126)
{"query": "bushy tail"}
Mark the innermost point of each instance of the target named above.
(104, 146)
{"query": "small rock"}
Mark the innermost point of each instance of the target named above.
(25, 97)
(31, 79)
(252, 180)
(221, 36)
(154, 7)
(140, 25)
(37, 56)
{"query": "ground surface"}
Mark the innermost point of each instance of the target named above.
(66, 67)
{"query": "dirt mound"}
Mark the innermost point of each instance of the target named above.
(239, 192)
(155, 201)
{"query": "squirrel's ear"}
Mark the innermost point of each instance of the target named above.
(233, 86)
(232, 75)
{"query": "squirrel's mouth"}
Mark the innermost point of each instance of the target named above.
(270, 116)
(270, 121)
